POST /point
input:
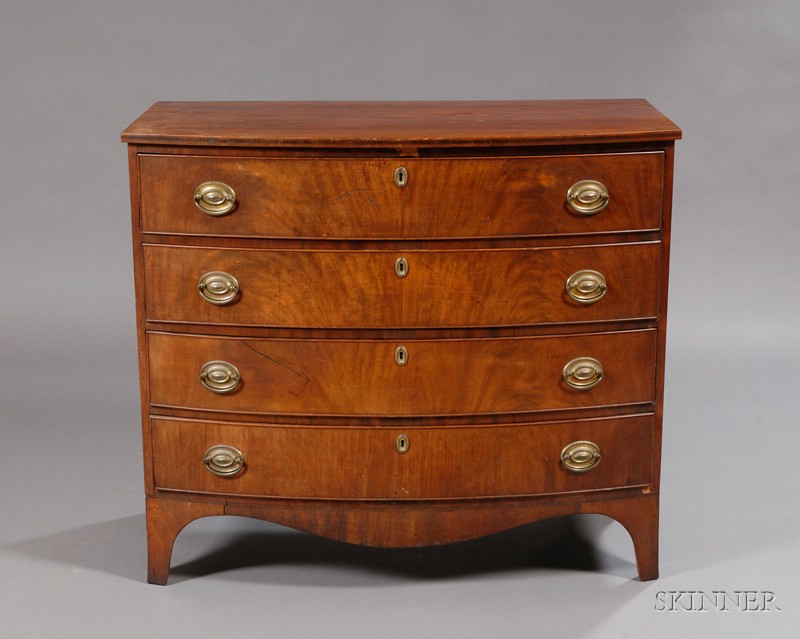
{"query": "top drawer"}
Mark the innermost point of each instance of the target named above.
(344, 198)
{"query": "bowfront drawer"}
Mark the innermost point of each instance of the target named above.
(400, 324)
(413, 377)
(293, 198)
(401, 289)
(533, 196)
(405, 198)
(397, 463)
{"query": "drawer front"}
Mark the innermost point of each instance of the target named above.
(437, 377)
(365, 463)
(340, 198)
(362, 289)
(492, 197)
(359, 198)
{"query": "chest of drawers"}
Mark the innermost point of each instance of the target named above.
(401, 324)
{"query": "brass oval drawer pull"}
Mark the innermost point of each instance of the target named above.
(586, 287)
(223, 461)
(583, 373)
(587, 197)
(218, 287)
(401, 176)
(580, 457)
(215, 198)
(219, 377)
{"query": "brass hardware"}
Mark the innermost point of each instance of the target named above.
(587, 197)
(401, 176)
(580, 457)
(586, 287)
(401, 356)
(219, 377)
(401, 267)
(215, 198)
(223, 461)
(218, 287)
(583, 373)
(402, 443)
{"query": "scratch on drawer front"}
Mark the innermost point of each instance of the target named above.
(351, 192)
(306, 379)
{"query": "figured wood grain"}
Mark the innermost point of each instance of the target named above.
(484, 224)
(363, 463)
(418, 124)
(404, 524)
(320, 198)
(500, 197)
(360, 289)
(442, 377)
(346, 198)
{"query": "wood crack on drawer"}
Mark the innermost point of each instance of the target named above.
(306, 379)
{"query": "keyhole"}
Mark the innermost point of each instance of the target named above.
(401, 356)
(401, 267)
(400, 176)
(402, 444)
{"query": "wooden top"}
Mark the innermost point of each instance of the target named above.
(397, 124)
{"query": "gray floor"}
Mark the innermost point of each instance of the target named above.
(72, 551)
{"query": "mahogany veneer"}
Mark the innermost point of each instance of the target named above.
(401, 323)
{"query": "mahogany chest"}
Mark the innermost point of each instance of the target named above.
(401, 323)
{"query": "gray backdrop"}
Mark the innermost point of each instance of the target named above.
(74, 73)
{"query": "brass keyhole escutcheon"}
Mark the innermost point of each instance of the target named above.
(401, 267)
(401, 356)
(401, 176)
(402, 444)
